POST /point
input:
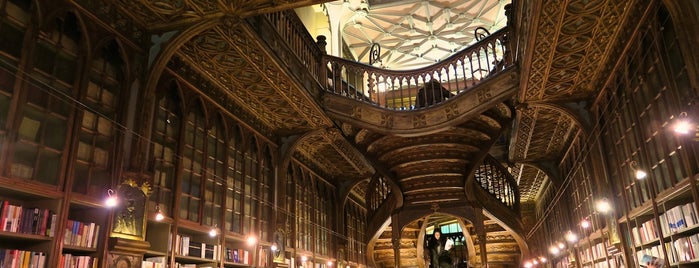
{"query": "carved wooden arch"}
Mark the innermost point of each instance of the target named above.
(287, 150)
(400, 220)
(575, 116)
(371, 244)
(521, 242)
(218, 119)
(345, 191)
(273, 157)
(549, 172)
(235, 131)
(470, 246)
(84, 44)
(243, 136)
(161, 60)
(685, 17)
(165, 88)
(37, 18)
(40, 22)
(127, 64)
(190, 105)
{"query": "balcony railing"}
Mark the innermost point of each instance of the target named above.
(392, 89)
(499, 182)
(420, 88)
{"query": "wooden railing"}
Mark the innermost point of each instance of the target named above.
(393, 89)
(378, 192)
(291, 31)
(498, 181)
(415, 89)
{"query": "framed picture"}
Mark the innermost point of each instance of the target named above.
(130, 214)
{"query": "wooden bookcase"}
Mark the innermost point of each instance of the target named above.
(29, 225)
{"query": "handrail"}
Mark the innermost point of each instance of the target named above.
(378, 192)
(409, 90)
(293, 33)
(498, 181)
(392, 89)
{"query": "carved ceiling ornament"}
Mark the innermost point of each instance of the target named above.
(528, 189)
(164, 15)
(573, 45)
(564, 39)
(258, 87)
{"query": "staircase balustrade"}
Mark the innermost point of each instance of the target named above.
(499, 182)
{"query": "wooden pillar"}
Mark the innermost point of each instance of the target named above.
(395, 238)
(480, 231)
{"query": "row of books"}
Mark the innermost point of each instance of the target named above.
(73, 261)
(154, 262)
(683, 249)
(644, 233)
(15, 258)
(15, 218)
(593, 253)
(673, 220)
(678, 218)
(237, 255)
(186, 247)
(81, 234)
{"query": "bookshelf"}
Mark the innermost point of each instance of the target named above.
(236, 253)
(666, 227)
(28, 225)
(194, 247)
(84, 233)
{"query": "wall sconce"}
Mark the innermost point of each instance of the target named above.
(159, 216)
(603, 206)
(682, 124)
(585, 223)
(112, 199)
(554, 250)
(251, 240)
(214, 231)
(571, 237)
(637, 172)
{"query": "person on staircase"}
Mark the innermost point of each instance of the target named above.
(439, 246)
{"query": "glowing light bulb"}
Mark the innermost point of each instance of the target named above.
(585, 224)
(571, 237)
(683, 125)
(252, 240)
(640, 174)
(111, 200)
(603, 206)
(554, 250)
(159, 216)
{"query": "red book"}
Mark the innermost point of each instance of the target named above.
(3, 217)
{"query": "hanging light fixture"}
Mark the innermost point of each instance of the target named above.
(214, 231)
(159, 216)
(112, 199)
(638, 172)
(603, 206)
(683, 125)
